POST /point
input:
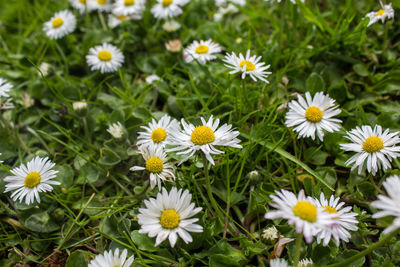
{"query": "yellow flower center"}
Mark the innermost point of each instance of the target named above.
(57, 22)
(158, 135)
(166, 3)
(121, 17)
(32, 179)
(306, 211)
(373, 144)
(129, 2)
(102, 2)
(249, 65)
(331, 210)
(202, 135)
(104, 55)
(314, 114)
(82, 1)
(169, 219)
(154, 165)
(380, 12)
(202, 49)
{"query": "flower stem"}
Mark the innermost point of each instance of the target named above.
(299, 238)
(208, 186)
(366, 251)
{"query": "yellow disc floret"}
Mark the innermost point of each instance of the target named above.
(202, 49)
(102, 2)
(32, 179)
(166, 3)
(57, 22)
(129, 2)
(121, 17)
(249, 65)
(202, 135)
(331, 210)
(373, 144)
(380, 12)
(104, 55)
(154, 165)
(306, 211)
(158, 135)
(169, 219)
(82, 1)
(314, 114)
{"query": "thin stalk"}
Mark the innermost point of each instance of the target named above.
(208, 186)
(102, 21)
(299, 238)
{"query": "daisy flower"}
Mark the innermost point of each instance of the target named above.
(128, 7)
(168, 8)
(157, 132)
(386, 13)
(156, 164)
(28, 181)
(5, 87)
(168, 216)
(202, 51)
(80, 5)
(373, 148)
(203, 138)
(271, 233)
(278, 263)
(116, 130)
(248, 65)
(306, 263)
(173, 45)
(112, 259)
(61, 24)
(152, 78)
(312, 115)
(224, 2)
(389, 206)
(303, 212)
(343, 221)
(171, 26)
(105, 57)
(100, 5)
(114, 21)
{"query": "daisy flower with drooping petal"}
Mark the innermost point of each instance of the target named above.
(248, 65)
(202, 51)
(168, 216)
(31, 179)
(374, 149)
(203, 138)
(116, 130)
(156, 163)
(312, 115)
(306, 263)
(105, 57)
(278, 263)
(114, 21)
(5, 87)
(168, 8)
(389, 205)
(112, 259)
(61, 24)
(129, 7)
(80, 5)
(157, 132)
(386, 13)
(152, 78)
(300, 211)
(224, 2)
(343, 221)
(100, 5)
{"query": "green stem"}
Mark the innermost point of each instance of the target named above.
(299, 238)
(208, 185)
(366, 251)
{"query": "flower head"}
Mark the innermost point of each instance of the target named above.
(116, 130)
(112, 259)
(105, 57)
(100, 5)
(157, 133)
(171, 25)
(270, 233)
(80, 5)
(224, 2)
(114, 20)
(278, 263)
(173, 45)
(202, 51)
(129, 7)
(168, 8)
(152, 78)
(61, 24)
(386, 13)
(5, 87)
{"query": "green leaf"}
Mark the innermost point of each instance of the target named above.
(315, 83)
(361, 70)
(221, 260)
(41, 222)
(78, 258)
(143, 241)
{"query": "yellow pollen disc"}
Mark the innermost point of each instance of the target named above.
(331, 210)
(82, 1)
(32, 179)
(202, 135)
(57, 22)
(373, 144)
(129, 2)
(380, 12)
(169, 219)
(158, 135)
(202, 49)
(306, 211)
(166, 3)
(154, 165)
(102, 2)
(104, 55)
(249, 66)
(314, 114)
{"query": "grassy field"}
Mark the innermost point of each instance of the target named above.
(316, 46)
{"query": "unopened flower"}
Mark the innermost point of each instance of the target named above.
(44, 68)
(173, 45)
(271, 233)
(152, 78)
(116, 130)
(171, 25)
(80, 107)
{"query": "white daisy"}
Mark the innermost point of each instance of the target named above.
(248, 65)
(300, 211)
(312, 115)
(61, 24)
(306, 263)
(203, 138)
(168, 8)
(156, 163)
(223, 10)
(28, 181)
(80, 5)
(202, 51)
(171, 25)
(271, 233)
(5, 87)
(129, 7)
(152, 78)
(389, 206)
(343, 221)
(373, 148)
(386, 13)
(100, 5)
(278, 263)
(112, 259)
(157, 133)
(105, 57)
(116, 130)
(224, 2)
(168, 216)
(114, 21)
